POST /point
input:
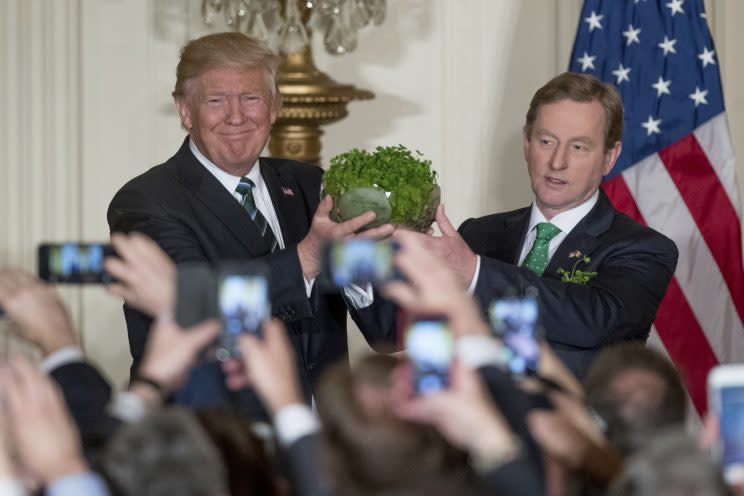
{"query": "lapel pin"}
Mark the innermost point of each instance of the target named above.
(287, 191)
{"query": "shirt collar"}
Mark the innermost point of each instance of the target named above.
(229, 181)
(565, 221)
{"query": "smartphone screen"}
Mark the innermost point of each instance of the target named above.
(429, 345)
(243, 301)
(360, 262)
(732, 431)
(74, 263)
(514, 320)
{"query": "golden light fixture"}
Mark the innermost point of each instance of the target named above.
(311, 97)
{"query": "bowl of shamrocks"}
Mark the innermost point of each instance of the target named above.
(398, 185)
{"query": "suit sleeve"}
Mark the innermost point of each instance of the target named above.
(619, 303)
(87, 395)
(135, 210)
(306, 473)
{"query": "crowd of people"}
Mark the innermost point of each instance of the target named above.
(595, 413)
(64, 428)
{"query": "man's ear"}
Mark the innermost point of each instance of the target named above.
(184, 112)
(611, 157)
(526, 144)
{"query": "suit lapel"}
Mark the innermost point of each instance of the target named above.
(583, 237)
(213, 195)
(515, 230)
(286, 197)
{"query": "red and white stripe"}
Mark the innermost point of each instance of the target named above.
(688, 191)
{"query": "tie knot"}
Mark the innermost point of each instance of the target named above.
(546, 231)
(245, 185)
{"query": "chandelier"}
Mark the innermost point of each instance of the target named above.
(338, 20)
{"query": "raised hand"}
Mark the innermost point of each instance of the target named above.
(431, 287)
(43, 433)
(323, 230)
(270, 367)
(37, 310)
(146, 277)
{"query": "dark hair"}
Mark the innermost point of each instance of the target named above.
(670, 463)
(580, 88)
(165, 453)
(630, 420)
(370, 450)
(244, 455)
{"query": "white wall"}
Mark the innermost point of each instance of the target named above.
(85, 105)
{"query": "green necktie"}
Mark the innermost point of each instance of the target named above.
(537, 258)
(245, 188)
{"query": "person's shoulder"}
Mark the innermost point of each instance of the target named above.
(155, 183)
(625, 227)
(493, 221)
(302, 171)
(306, 176)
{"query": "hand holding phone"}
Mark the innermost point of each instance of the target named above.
(74, 263)
(726, 393)
(359, 261)
(514, 320)
(430, 347)
(244, 306)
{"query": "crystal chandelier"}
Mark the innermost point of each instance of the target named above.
(338, 20)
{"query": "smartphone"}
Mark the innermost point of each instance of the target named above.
(360, 262)
(726, 393)
(74, 263)
(514, 320)
(243, 304)
(430, 348)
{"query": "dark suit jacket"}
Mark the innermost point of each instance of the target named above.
(186, 210)
(87, 394)
(634, 265)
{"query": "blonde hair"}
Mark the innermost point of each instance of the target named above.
(226, 50)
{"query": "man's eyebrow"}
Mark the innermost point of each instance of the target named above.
(583, 139)
(545, 131)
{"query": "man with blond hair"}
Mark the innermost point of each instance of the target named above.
(217, 200)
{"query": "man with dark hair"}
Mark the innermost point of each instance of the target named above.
(599, 275)
(216, 200)
(636, 391)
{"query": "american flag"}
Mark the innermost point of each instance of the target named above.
(676, 171)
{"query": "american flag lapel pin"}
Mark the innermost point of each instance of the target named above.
(287, 191)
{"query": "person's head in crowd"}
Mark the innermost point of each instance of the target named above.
(249, 468)
(165, 453)
(635, 391)
(572, 139)
(227, 97)
(370, 450)
(670, 464)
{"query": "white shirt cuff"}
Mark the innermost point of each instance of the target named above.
(308, 285)
(474, 282)
(294, 422)
(87, 483)
(11, 487)
(127, 407)
(63, 356)
(359, 298)
(480, 351)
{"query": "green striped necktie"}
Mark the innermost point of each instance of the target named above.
(245, 188)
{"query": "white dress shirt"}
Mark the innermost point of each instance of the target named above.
(260, 196)
(565, 221)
